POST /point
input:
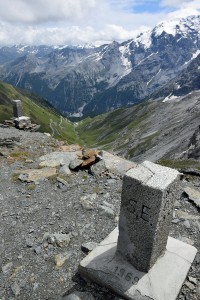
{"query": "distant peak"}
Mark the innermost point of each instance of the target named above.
(76, 46)
(178, 25)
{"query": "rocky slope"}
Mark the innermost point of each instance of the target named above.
(187, 81)
(46, 223)
(152, 130)
(89, 81)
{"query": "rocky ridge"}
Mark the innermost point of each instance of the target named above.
(48, 224)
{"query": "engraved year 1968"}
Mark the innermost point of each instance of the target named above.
(122, 273)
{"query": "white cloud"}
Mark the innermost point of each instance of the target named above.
(38, 11)
(80, 21)
(185, 8)
(180, 5)
(174, 3)
(63, 35)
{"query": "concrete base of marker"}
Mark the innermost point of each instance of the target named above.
(163, 281)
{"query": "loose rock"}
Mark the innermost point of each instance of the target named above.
(65, 170)
(193, 195)
(87, 201)
(58, 239)
(7, 268)
(87, 247)
(15, 289)
(106, 210)
(186, 224)
(99, 168)
(79, 296)
(75, 163)
(192, 280)
(190, 285)
(61, 258)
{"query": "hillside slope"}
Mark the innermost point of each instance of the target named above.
(151, 130)
(38, 110)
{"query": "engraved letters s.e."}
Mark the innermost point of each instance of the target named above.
(144, 213)
(132, 205)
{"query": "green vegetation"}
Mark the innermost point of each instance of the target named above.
(39, 112)
(108, 131)
(180, 164)
(142, 146)
(104, 130)
(30, 187)
(19, 154)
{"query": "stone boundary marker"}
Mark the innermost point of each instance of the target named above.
(17, 109)
(140, 262)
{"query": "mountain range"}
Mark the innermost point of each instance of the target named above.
(86, 81)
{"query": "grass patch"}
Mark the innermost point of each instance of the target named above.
(103, 131)
(30, 187)
(97, 190)
(179, 164)
(53, 178)
(19, 155)
(142, 147)
(15, 177)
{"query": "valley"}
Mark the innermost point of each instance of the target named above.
(154, 130)
(88, 81)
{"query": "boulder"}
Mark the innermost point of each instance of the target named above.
(117, 164)
(35, 175)
(75, 163)
(22, 122)
(64, 170)
(99, 168)
(55, 159)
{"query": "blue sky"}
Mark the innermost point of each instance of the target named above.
(84, 21)
(150, 7)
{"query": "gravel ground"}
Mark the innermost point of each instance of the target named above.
(84, 209)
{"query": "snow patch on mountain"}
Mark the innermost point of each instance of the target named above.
(21, 48)
(125, 51)
(79, 46)
(195, 54)
(179, 26)
(170, 97)
(143, 39)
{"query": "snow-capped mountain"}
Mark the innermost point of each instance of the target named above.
(86, 80)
